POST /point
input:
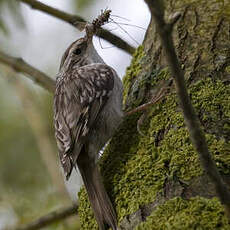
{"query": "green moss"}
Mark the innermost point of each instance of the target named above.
(208, 97)
(135, 167)
(132, 71)
(227, 69)
(85, 212)
(116, 169)
(179, 214)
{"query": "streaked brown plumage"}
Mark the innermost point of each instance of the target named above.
(87, 111)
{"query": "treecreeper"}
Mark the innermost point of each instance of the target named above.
(87, 111)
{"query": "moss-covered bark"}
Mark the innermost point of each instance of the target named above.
(159, 173)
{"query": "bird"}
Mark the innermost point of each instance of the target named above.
(87, 112)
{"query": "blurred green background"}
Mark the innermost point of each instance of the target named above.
(31, 183)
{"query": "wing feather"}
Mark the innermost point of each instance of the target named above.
(79, 97)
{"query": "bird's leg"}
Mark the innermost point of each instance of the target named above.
(141, 121)
(161, 92)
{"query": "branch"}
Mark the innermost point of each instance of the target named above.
(79, 23)
(50, 218)
(197, 136)
(35, 75)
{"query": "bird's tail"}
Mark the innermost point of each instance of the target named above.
(98, 197)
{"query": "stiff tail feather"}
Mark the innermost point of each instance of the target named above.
(98, 197)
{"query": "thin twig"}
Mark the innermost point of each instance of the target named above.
(197, 136)
(79, 22)
(50, 218)
(19, 65)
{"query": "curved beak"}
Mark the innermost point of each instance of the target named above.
(90, 31)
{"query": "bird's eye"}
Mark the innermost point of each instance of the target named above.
(77, 51)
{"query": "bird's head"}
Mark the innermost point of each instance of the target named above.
(82, 52)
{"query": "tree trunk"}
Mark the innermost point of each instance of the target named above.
(155, 181)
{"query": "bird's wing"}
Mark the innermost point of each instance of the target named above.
(79, 98)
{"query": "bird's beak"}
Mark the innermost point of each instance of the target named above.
(90, 30)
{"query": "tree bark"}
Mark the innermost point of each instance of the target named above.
(156, 181)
